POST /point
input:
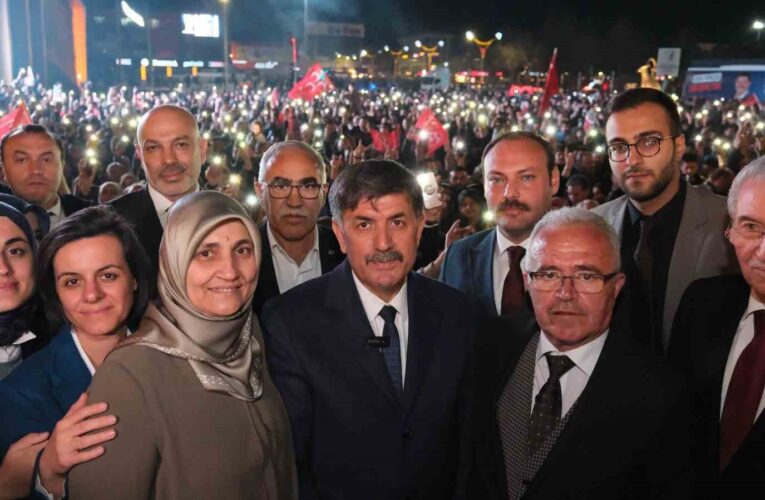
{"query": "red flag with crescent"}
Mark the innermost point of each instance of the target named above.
(314, 83)
(430, 129)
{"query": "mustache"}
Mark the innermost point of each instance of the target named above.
(383, 257)
(513, 204)
(636, 170)
(566, 307)
(172, 169)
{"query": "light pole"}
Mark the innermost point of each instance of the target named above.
(758, 26)
(224, 7)
(483, 46)
(396, 54)
(429, 51)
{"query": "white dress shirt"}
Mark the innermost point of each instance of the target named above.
(56, 213)
(573, 382)
(12, 353)
(289, 273)
(744, 335)
(161, 204)
(373, 305)
(502, 266)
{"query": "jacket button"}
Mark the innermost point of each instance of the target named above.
(407, 433)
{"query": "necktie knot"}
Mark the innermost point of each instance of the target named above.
(516, 253)
(388, 314)
(558, 365)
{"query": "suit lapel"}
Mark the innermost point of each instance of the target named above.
(353, 328)
(481, 269)
(690, 237)
(329, 251)
(267, 282)
(424, 326)
(68, 373)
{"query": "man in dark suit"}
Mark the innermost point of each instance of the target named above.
(719, 338)
(520, 180)
(33, 164)
(292, 184)
(566, 404)
(671, 233)
(171, 152)
(372, 359)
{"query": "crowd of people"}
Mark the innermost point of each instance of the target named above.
(225, 293)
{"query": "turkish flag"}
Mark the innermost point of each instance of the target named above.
(16, 118)
(315, 82)
(552, 85)
(428, 125)
(384, 141)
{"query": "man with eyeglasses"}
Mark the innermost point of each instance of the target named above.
(718, 338)
(671, 233)
(569, 405)
(292, 186)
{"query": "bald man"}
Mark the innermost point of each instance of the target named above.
(171, 152)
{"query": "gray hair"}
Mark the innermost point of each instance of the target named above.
(754, 171)
(269, 157)
(571, 217)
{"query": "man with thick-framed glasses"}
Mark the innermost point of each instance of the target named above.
(718, 338)
(569, 383)
(292, 186)
(671, 233)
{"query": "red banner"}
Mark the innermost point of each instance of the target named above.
(315, 82)
(430, 129)
(516, 89)
(16, 118)
(552, 85)
(274, 98)
(384, 141)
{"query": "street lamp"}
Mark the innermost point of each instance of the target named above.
(483, 46)
(429, 51)
(395, 54)
(758, 26)
(224, 7)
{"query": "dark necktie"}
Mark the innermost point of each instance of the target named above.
(744, 393)
(643, 258)
(392, 353)
(512, 291)
(547, 405)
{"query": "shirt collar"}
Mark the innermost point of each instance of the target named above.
(673, 206)
(25, 337)
(753, 306)
(83, 355)
(56, 209)
(373, 304)
(161, 203)
(503, 243)
(276, 246)
(585, 357)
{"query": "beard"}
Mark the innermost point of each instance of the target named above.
(649, 188)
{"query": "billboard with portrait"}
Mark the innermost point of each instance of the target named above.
(744, 83)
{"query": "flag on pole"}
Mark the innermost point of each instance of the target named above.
(16, 118)
(314, 83)
(552, 85)
(274, 97)
(430, 129)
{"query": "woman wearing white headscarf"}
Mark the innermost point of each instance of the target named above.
(198, 415)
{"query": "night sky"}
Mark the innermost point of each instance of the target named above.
(597, 29)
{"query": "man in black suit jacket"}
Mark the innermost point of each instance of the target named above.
(520, 180)
(372, 359)
(171, 152)
(292, 184)
(567, 405)
(719, 331)
(33, 164)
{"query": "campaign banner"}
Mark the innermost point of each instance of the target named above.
(745, 84)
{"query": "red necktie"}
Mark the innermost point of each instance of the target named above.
(512, 291)
(744, 393)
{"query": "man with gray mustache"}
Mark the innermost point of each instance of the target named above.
(566, 403)
(520, 180)
(292, 187)
(671, 233)
(371, 359)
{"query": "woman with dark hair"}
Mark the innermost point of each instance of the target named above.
(198, 414)
(93, 285)
(472, 205)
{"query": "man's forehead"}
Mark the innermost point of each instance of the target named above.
(749, 201)
(384, 206)
(31, 140)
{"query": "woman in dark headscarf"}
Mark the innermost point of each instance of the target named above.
(198, 414)
(36, 215)
(17, 284)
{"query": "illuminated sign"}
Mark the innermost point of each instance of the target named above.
(201, 25)
(131, 14)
